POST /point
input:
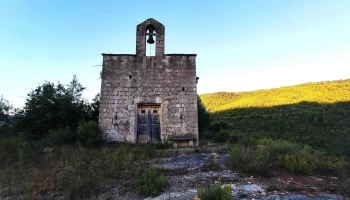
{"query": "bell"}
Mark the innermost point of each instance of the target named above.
(150, 40)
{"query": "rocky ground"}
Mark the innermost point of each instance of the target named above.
(187, 172)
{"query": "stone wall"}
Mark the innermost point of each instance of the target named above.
(168, 80)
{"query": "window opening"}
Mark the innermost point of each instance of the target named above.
(143, 111)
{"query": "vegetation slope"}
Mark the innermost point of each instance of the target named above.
(317, 114)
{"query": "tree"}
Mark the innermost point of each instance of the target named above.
(50, 107)
(92, 109)
(5, 107)
(6, 127)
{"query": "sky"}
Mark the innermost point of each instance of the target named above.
(240, 45)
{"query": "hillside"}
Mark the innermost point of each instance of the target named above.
(320, 92)
(317, 114)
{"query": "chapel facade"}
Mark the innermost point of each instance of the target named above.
(149, 98)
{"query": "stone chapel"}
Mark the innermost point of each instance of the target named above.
(149, 98)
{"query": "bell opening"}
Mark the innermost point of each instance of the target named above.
(150, 41)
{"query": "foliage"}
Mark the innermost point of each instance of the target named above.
(204, 118)
(228, 136)
(150, 183)
(250, 159)
(219, 125)
(10, 147)
(6, 122)
(295, 164)
(314, 113)
(51, 107)
(61, 136)
(5, 107)
(89, 134)
(215, 192)
(265, 154)
(320, 92)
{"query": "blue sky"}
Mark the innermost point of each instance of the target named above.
(240, 45)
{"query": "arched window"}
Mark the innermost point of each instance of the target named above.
(150, 39)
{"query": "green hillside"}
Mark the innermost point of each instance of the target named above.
(317, 114)
(321, 92)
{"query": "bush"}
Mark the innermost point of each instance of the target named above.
(89, 134)
(295, 164)
(279, 147)
(218, 126)
(228, 136)
(150, 183)
(10, 148)
(61, 136)
(215, 192)
(268, 154)
(250, 159)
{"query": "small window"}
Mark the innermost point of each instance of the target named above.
(130, 76)
(155, 111)
(183, 88)
(143, 111)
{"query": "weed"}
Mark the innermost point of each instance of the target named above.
(212, 165)
(215, 192)
(150, 183)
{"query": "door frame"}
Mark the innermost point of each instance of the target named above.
(159, 105)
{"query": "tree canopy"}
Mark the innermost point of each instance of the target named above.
(52, 106)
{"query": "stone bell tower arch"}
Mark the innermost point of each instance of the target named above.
(141, 33)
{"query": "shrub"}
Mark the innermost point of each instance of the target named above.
(228, 136)
(10, 147)
(215, 192)
(212, 164)
(150, 183)
(250, 159)
(279, 147)
(89, 134)
(61, 136)
(218, 126)
(268, 154)
(295, 164)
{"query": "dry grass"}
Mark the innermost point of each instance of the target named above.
(73, 171)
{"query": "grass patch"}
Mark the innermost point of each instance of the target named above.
(70, 171)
